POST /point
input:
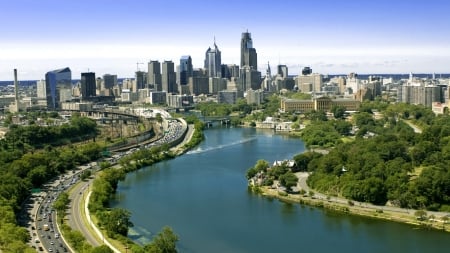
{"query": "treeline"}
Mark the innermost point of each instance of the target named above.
(33, 136)
(388, 161)
(23, 167)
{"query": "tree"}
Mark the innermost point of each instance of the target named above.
(116, 221)
(288, 180)
(61, 204)
(421, 215)
(164, 242)
(338, 111)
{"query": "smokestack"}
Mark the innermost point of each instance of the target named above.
(16, 86)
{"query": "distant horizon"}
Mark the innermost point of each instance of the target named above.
(329, 36)
(420, 75)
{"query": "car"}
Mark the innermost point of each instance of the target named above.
(52, 243)
(50, 250)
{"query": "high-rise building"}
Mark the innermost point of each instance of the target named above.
(282, 71)
(88, 85)
(168, 77)
(57, 82)
(213, 61)
(248, 53)
(154, 74)
(109, 81)
(141, 80)
(40, 89)
(186, 69)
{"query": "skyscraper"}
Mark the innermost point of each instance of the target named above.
(248, 53)
(88, 84)
(109, 81)
(141, 80)
(186, 69)
(213, 61)
(168, 77)
(154, 74)
(57, 82)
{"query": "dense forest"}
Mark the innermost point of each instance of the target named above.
(28, 160)
(387, 161)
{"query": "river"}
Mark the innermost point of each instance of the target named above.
(203, 197)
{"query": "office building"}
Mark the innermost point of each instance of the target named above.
(40, 89)
(250, 79)
(109, 81)
(168, 82)
(213, 61)
(154, 75)
(57, 82)
(88, 85)
(248, 53)
(141, 80)
(282, 71)
(186, 70)
(227, 97)
(180, 101)
(255, 97)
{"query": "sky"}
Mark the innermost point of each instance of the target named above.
(122, 36)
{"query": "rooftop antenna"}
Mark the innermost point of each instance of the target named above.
(137, 65)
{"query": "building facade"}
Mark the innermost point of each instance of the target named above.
(88, 85)
(213, 61)
(248, 53)
(154, 75)
(168, 77)
(319, 104)
(57, 82)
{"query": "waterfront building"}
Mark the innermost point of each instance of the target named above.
(248, 53)
(213, 61)
(57, 83)
(168, 82)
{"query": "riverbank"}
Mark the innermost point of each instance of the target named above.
(361, 209)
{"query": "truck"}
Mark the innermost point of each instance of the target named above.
(46, 228)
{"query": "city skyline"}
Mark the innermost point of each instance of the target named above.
(331, 37)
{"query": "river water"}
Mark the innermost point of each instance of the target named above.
(203, 197)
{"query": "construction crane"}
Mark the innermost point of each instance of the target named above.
(137, 65)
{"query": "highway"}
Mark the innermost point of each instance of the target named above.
(75, 215)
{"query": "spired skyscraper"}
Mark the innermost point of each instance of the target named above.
(248, 53)
(58, 87)
(213, 61)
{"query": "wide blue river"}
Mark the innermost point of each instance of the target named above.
(203, 197)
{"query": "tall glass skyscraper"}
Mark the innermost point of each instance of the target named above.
(57, 84)
(186, 69)
(248, 53)
(213, 61)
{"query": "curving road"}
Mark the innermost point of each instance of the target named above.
(75, 216)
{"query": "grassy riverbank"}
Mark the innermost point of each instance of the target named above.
(359, 209)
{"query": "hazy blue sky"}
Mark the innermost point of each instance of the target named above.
(332, 37)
